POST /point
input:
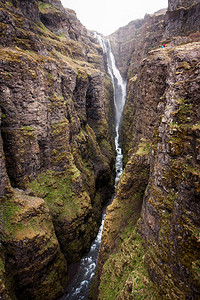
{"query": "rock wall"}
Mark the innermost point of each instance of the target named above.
(131, 43)
(153, 253)
(57, 149)
(176, 4)
(170, 213)
(183, 21)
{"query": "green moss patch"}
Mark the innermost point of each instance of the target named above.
(143, 147)
(62, 191)
(124, 275)
(47, 8)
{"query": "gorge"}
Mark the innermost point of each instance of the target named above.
(85, 270)
(58, 145)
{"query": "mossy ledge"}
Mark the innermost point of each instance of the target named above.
(57, 145)
(154, 253)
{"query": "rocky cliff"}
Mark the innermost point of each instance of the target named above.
(57, 153)
(56, 150)
(150, 244)
(174, 5)
(131, 43)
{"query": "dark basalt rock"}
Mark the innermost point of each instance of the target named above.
(176, 4)
(56, 161)
(160, 137)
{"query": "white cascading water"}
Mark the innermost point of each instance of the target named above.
(78, 289)
(119, 87)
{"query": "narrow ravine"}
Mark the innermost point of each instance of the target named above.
(79, 286)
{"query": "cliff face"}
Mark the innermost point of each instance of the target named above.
(57, 154)
(154, 253)
(170, 213)
(176, 4)
(56, 151)
(131, 43)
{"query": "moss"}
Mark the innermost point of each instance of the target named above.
(28, 229)
(27, 128)
(196, 126)
(106, 145)
(62, 37)
(3, 116)
(143, 147)
(70, 207)
(93, 147)
(14, 226)
(124, 274)
(5, 290)
(196, 269)
(47, 8)
(161, 201)
(57, 190)
(7, 76)
(184, 111)
(184, 65)
(9, 210)
(56, 101)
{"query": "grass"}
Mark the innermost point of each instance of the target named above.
(46, 8)
(124, 274)
(61, 193)
(143, 147)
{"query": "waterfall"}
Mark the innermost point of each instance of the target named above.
(118, 84)
(119, 87)
(79, 287)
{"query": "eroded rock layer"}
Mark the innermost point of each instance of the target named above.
(154, 253)
(56, 151)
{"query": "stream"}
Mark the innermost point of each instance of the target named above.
(84, 271)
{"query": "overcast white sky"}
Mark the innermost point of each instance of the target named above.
(106, 16)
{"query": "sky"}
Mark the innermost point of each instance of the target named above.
(106, 16)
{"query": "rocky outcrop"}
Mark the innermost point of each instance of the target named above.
(144, 100)
(56, 145)
(32, 253)
(183, 21)
(154, 253)
(176, 4)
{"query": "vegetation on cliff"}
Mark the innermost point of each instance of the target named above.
(157, 257)
(57, 153)
(57, 145)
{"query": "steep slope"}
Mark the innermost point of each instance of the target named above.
(56, 152)
(154, 253)
(170, 214)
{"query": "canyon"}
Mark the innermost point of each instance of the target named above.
(57, 153)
